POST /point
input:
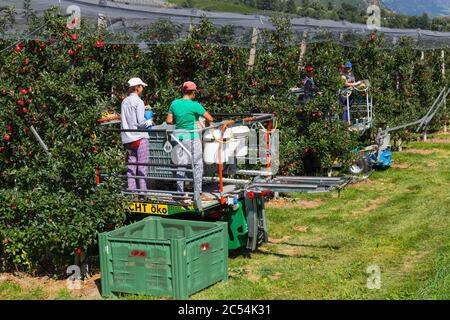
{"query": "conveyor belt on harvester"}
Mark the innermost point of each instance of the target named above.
(301, 184)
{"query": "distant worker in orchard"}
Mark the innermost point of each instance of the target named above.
(136, 143)
(309, 85)
(349, 83)
(185, 113)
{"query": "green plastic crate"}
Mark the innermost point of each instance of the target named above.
(163, 257)
(157, 155)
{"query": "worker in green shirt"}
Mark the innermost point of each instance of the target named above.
(184, 113)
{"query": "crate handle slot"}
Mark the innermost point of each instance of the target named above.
(168, 147)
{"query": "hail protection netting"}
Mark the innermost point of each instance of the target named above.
(148, 22)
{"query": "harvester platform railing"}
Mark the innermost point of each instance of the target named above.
(359, 115)
(169, 134)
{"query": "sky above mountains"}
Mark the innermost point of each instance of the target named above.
(418, 7)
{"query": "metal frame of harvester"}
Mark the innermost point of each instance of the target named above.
(379, 154)
(238, 188)
(360, 114)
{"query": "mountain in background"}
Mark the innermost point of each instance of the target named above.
(418, 7)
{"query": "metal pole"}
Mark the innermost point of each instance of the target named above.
(38, 138)
(348, 110)
(445, 100)
(251, 59)
(302, 50)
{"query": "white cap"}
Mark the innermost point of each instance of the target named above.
(136, 82)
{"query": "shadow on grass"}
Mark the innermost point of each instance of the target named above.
(326, 246)
(246, 253)
(281, 255)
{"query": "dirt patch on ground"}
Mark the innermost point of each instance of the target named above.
(300, 228)
(275, 276)
(290, 251)
(445, 138)
(443, 156)
(279, 240)
(400, 165)
(86, 289)
(431, 164)
(370, 206)
(421, 151)
(283, 246)
(286, 203)
(251, 273)
(439, 140)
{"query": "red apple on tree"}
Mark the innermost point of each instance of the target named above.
(24, 91)
(7, 136)
(20, 103)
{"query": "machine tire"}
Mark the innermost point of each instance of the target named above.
(359, 166)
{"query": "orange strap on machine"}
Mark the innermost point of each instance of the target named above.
(248, 119)
(222, 129)
(268, 156)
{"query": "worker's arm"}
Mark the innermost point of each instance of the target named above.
(142, 123)
(208, 117)
(346, 83)
(169, 118)
(350, 84)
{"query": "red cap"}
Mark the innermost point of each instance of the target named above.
(309, 69)
(189, 86)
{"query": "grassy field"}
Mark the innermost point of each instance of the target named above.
(237, 7)
(221, 6)
(321, 245)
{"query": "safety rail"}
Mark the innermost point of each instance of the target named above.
(361, 124)
(187, 199)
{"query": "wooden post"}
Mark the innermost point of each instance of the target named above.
(445, 100)
(251, 59)
(302, 51)
(422, 57)
(101, 21)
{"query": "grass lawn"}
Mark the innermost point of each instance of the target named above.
(221, 6)
(321, 245)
